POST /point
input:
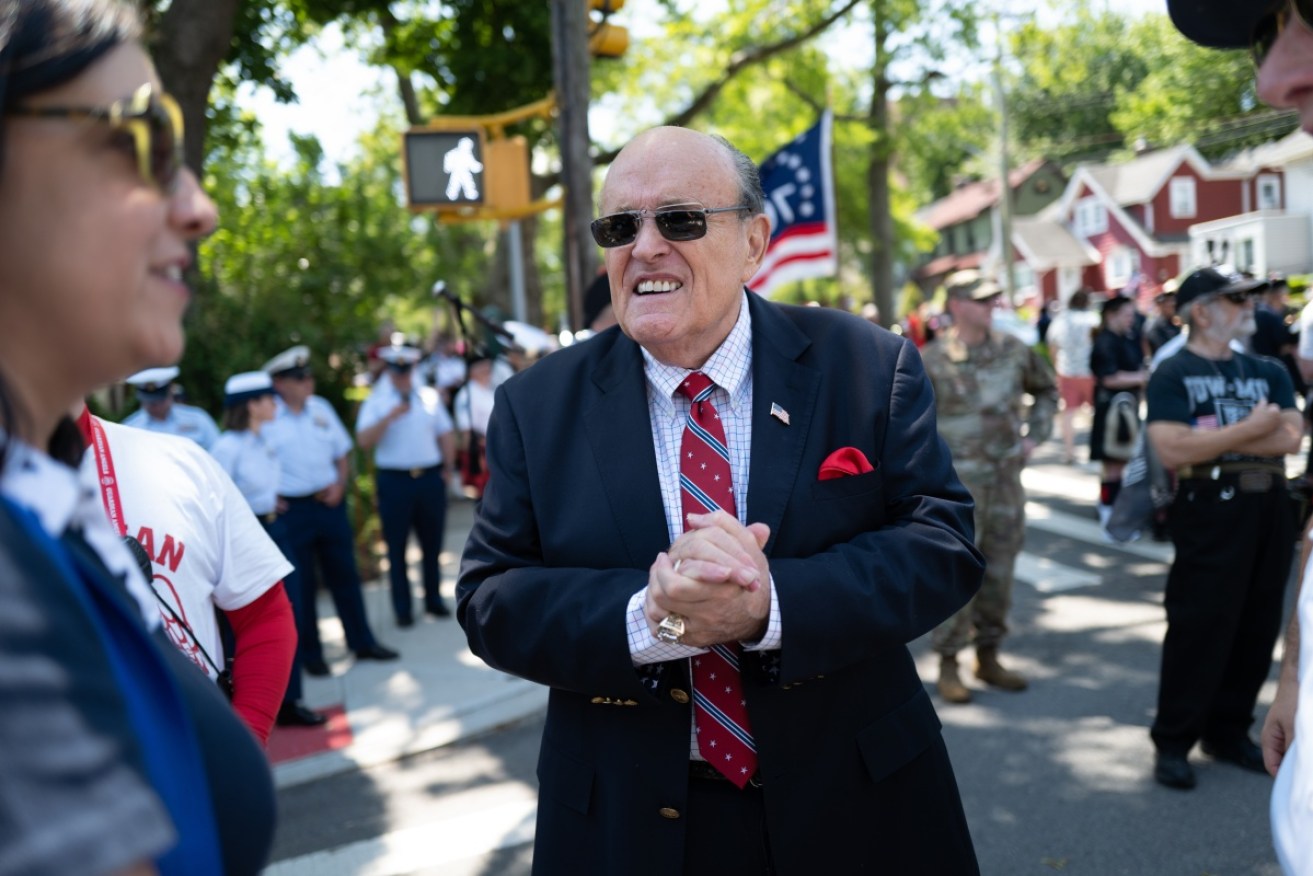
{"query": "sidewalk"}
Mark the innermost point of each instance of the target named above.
(436, 694)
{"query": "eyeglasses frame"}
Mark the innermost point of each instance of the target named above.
(1281, 22)
(640, 215)
(133, 115)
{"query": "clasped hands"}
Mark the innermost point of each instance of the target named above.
(716, 577)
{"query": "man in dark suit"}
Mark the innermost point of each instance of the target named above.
(797, 511)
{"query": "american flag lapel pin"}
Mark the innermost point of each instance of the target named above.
(779, 413)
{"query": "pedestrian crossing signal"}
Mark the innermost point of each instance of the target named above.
(445, 168)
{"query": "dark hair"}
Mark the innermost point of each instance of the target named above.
(43, 44)
(1112, 305)
(1080, 300)
(237, 418)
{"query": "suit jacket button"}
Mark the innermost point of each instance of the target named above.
(667, 812)
(679, 696)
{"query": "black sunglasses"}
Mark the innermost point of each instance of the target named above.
(678, 223)
(1270, 26)
(152, 121)
(1235, 297)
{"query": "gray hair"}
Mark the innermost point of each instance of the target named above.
(750, 191)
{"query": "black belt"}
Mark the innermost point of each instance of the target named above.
(411, 472)
(1206, 472)
(295, 500)
(700, 769)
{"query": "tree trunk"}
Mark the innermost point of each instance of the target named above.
(189, 43)
(877, 177)
(571, 59)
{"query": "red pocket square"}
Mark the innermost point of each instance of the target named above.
(843, 462)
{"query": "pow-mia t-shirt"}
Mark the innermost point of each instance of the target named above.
(1212, 393)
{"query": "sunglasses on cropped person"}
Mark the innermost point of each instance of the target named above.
(1237, 298)
(1270, 26)
(149, 121)
(679, 222)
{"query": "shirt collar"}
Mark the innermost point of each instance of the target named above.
(728, 366)
(48, 488)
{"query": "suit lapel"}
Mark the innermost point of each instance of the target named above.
(777, 379)
(619, 431)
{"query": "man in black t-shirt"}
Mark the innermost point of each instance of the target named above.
(1224, 422)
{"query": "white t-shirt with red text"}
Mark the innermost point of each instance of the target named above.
(206, 545)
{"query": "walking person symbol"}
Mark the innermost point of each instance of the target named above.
(461, 164)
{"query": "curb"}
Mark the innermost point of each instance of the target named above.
(395, 737)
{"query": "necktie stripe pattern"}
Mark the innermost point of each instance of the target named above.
(720, 711)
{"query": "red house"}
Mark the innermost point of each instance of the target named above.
(1127, 225)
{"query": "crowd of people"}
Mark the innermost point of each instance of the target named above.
(722, 611)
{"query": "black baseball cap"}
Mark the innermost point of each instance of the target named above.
(1220, 24)
(1211, 281)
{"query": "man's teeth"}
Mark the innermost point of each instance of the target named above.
(172, 272)
(657, 286)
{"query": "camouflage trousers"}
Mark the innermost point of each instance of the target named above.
(1000, 531)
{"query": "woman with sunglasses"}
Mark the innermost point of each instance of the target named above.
(116, 755)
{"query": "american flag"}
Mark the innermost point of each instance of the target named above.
(799, 185)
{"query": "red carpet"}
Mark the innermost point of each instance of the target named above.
(294, 743)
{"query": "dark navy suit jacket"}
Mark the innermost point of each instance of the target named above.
(854, 771)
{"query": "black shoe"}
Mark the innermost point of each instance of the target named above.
(1243, 753)
(1174, 771)
(376, 652)
(405, 622)
(439, 610)
(315, 667)
(297, 715)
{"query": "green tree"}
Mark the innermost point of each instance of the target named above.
(299, 259)
(1193, 95)
(1064, 86)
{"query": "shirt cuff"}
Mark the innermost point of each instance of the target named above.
(772, 639)
(645, 648)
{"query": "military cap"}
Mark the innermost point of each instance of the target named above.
(400, 356)
(971, 285)
(292, 362)
(245, 386)
(154, 383)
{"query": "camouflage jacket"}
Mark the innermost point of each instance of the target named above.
(980, 398)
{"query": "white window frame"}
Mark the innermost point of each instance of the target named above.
(1246, 252)
(1268, 189)
(1121, 265)
(1091, 216)
(1183, 197)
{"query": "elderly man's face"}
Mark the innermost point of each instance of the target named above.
(1286, 77)
(679, 299)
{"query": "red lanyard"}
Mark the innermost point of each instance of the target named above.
(109, 485)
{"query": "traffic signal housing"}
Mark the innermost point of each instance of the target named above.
(606, 40)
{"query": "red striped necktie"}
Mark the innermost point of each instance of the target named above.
(720, 710)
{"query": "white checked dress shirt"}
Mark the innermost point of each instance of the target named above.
(730, 367)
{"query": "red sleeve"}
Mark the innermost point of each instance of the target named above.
(265, 636)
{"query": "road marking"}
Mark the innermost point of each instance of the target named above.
(422, 847)
(1082, 529)
(1048, 576)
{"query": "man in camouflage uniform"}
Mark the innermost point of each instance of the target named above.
(981, 378)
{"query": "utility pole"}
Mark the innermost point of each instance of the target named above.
(571, 61)
(1004, 172)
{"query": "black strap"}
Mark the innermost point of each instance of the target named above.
(144, 561)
